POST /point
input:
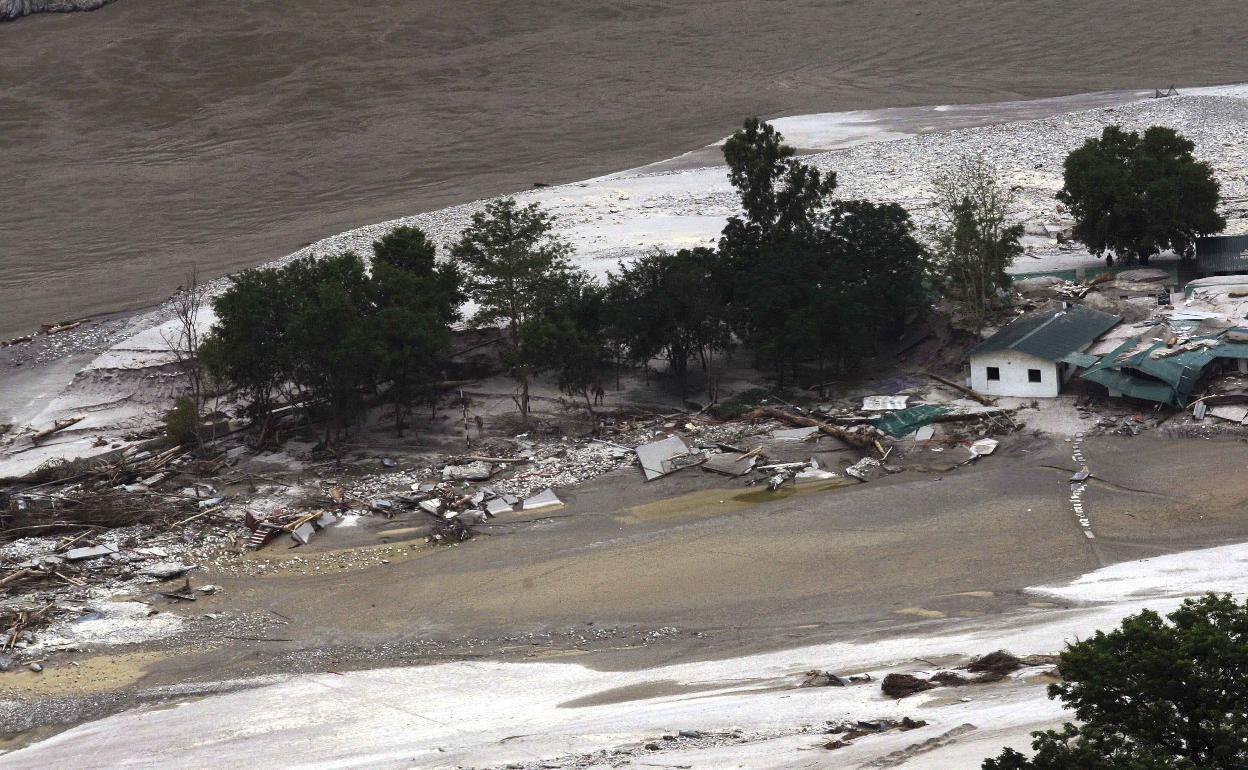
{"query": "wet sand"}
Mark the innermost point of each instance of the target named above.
(153, 134)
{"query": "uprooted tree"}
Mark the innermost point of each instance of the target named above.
(974, 240)
(514, 268)
(1134, 196)
(1152, 695)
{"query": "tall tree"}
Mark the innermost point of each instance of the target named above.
(568, 336)
(416, 300)
(1152, 695)
(809, 280)
(1135, 196)
(407, 248)
(974, 239)
(671, 305)
(514, 267)
(329, 335)
(246, 347)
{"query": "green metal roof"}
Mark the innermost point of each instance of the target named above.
(1050, 334)
(1222, 254)
(1168, 380)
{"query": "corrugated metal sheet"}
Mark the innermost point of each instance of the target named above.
(1168, 380)
(1222, 254)
(907, 421)
(1050, 334)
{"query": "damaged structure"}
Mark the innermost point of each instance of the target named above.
(1036, 354)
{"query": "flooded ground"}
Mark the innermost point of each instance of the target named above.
(153, 134)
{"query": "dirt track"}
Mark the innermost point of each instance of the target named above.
(153, 133)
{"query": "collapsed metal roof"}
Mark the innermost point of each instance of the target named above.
(1155, 372)
(1050, 334)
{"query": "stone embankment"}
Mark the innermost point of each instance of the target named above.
(15, 9)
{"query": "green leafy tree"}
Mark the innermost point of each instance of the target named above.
(514, 268)
(414, 311)
(1134, 196)
(1152, 695)
(568, 337)
(329, 335)
(246, 349)
(671, 305)
(974, 240)
(809, 280)
(407, 248)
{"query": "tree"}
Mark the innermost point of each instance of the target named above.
(514, 268)
(974, 241)
(330, 342)
(810, 278)
(1152, 695)
(568, 336)
(184, 342)
(407, 248)
(671, 305)
(247, 347)
(414, 311)
(1135, 196)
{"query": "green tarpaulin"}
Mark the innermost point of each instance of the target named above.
(907, 421)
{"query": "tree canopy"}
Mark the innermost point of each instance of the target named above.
(814, 277)
(1134, 196)
(1152, 694)
(974, 239)
(515, 270)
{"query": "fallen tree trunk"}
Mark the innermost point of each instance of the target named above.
(964, 416)
(860, 439)
(58, 426)
(980, 397)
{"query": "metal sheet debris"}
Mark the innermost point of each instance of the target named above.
(497, 506)
(303, 533)
(794, 434)
(984, 446)
(658, 457)
(884, 403)
(1232, 413)
(909, 420)
(544, 499)
(91, 552)
(730, 464)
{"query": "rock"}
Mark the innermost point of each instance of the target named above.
(474, 471)
(165, 569)
(999, 662)
(902, 685)
(36, 667)
(822, 679)
(209, 589)
(689, 734)
(6, 662)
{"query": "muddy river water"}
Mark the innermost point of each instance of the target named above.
(155, 134)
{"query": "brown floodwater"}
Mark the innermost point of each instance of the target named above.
(153, 134)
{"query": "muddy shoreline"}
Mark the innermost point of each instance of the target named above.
(856, 564)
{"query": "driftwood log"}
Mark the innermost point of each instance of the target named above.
(980, 397)
(866, 439)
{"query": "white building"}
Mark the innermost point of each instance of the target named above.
(1033, 356)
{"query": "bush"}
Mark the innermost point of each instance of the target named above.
(181, 422)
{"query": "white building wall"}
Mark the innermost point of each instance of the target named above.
(1014, 379)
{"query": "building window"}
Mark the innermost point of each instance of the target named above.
(994, 373)
(1033, 375)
